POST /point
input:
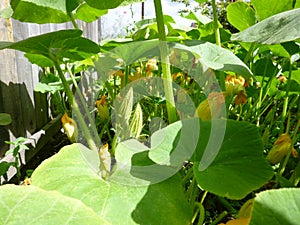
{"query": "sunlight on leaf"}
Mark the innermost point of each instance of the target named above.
(276, 207)
(20, 204)
(277, 29)
(239, 167)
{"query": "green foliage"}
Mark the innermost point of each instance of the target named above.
(266, 210)
(44, 11)
(273, 7)
(5, 119)
(218, 58)
(89, 14)
(42, 207)
(279, 28)
(18, 144)
(133, 203)
(240, 15)
(44, 49)
(231, 174)
(191, 171)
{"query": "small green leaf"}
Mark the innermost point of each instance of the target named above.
(240, 15)
(45, 88)
(276, 207)
(5, 119)
(4, 166)
(199, 18)
(21, 204)
(39, 60)
(265, 67)
(277, 29)
(239, 167)
(294, 86)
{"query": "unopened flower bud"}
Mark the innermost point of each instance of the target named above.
(212, 106)
(70, 127)
(103, 110)
(279, 149)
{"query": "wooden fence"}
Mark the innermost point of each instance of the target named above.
(18, 78)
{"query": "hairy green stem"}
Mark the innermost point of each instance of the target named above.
(286, 100)
(58, 102)
(75, 107)
(261, 97)
(167, 78)
(70, 14)
(216, 25)
(86, 110)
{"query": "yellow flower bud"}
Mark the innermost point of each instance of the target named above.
(103, 110)
(211, 107)
(70, 127)
(105, 164)
(279, 149)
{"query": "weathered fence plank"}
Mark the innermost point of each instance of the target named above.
(18, 78)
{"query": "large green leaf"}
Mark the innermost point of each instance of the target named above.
(277, 207)
(240, 15)
(64, 44)
(217, 58)
(276, 29)
(40, 11)
(239, 167)
(267, 8)
(73, 172)
(27, 204)
(45, 11)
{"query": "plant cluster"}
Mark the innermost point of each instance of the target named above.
(184, 125)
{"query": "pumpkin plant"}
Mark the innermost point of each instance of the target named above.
(171, 176)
